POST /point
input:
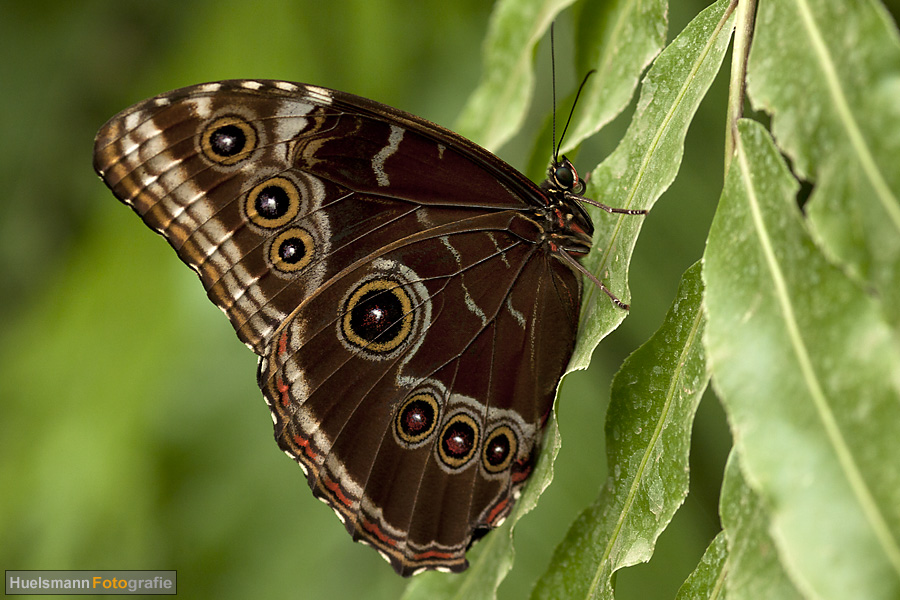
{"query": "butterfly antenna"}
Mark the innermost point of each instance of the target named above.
(553, 86)
(571, 112)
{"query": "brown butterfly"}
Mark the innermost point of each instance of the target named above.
(413, 299)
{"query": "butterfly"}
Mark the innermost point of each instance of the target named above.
(413, 299)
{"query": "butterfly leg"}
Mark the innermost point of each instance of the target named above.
(612, 210)
(594, 279)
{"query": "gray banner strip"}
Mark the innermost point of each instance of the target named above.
(120, 583)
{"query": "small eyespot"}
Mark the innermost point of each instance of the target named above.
(417, 418)
(458, 441)
(292, 250)
(273, 203)
(228, 140)
(500, 449)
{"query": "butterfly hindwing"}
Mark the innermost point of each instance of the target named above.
(466, 364)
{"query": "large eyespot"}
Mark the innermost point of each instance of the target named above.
(458, 441)
(417, 418)
(378, 316)
(273, 203)
(386, 313)
(499, 450)
(291, 250)
(228, 140)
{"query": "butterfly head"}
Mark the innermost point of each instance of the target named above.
(572, 227)
(563, 177)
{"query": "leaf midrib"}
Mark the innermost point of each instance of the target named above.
(826, 416)
(845, 116)
(671, 392)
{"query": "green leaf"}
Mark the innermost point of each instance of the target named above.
(809, 373)
(617, 39)
(648, 428)
(630, 33)
(496, 109)
(685, 70)
(645, 163)
(707, 582)
(829, 73)
(753, 568)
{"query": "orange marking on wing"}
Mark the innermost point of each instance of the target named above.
(335, 488)
(517, 477)
(377, 532)
(492, 516)
(282, 342)
(283, 390)
(304, 443)
(521, 472)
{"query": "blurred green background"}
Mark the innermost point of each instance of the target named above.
(132, 433)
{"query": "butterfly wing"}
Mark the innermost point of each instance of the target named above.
(395, 279)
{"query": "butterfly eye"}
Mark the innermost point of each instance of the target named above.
(566, 177)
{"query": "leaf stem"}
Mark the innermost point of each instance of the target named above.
(743, 35)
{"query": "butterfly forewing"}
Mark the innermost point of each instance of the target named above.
(398, 282)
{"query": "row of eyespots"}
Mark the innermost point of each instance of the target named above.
(418, 418)
(272, 203)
